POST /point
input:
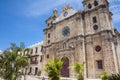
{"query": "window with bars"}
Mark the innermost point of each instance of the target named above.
(99, 64)
(94, 20)
(48, 35)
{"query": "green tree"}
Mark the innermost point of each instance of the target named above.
(53, 68)
(12, 61)
(104, 76)
(79, 70)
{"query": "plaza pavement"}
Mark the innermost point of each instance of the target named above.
(40, 78)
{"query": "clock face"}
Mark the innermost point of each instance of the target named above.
(65, 14)
(66, 31)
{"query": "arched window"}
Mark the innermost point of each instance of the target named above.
(66, 31)
(95, 3)
(89, 6)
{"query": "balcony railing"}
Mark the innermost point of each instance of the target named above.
(33, 62)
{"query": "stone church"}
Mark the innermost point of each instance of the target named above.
(83, 36)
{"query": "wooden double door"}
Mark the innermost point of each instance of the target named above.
(65, 68)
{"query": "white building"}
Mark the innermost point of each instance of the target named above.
(35, 62)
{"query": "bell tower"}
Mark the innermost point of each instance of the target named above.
(99, 43)
(91, 4)
(97, 16)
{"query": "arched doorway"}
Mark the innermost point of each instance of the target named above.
(65, 68)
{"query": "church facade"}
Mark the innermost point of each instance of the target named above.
(83, 36)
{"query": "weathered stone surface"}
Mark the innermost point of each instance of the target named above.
(80, 41)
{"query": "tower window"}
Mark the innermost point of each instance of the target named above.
(89, 6)
(49, 35)
(95, 27)
(95, 3)
(48, 41)
(94, 20)
(99, 64)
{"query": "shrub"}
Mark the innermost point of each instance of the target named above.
(104, 76)
(39, 73)
(114, 77)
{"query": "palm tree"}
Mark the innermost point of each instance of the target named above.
(79, 70)
(53, 68)
(12, 61)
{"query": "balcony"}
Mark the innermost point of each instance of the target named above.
(35, 55)
(33, 62)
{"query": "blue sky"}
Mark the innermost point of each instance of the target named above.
(24, 20)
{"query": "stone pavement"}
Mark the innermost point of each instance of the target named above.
(40, 78)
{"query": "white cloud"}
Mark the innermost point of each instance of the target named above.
(39, 7)
(0, 51)
(115, 9)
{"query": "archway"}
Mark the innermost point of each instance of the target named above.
(65, 68)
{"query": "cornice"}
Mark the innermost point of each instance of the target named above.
(82, 36)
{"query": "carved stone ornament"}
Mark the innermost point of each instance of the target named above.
(67, 7)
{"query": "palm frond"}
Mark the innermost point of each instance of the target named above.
(114, 77)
